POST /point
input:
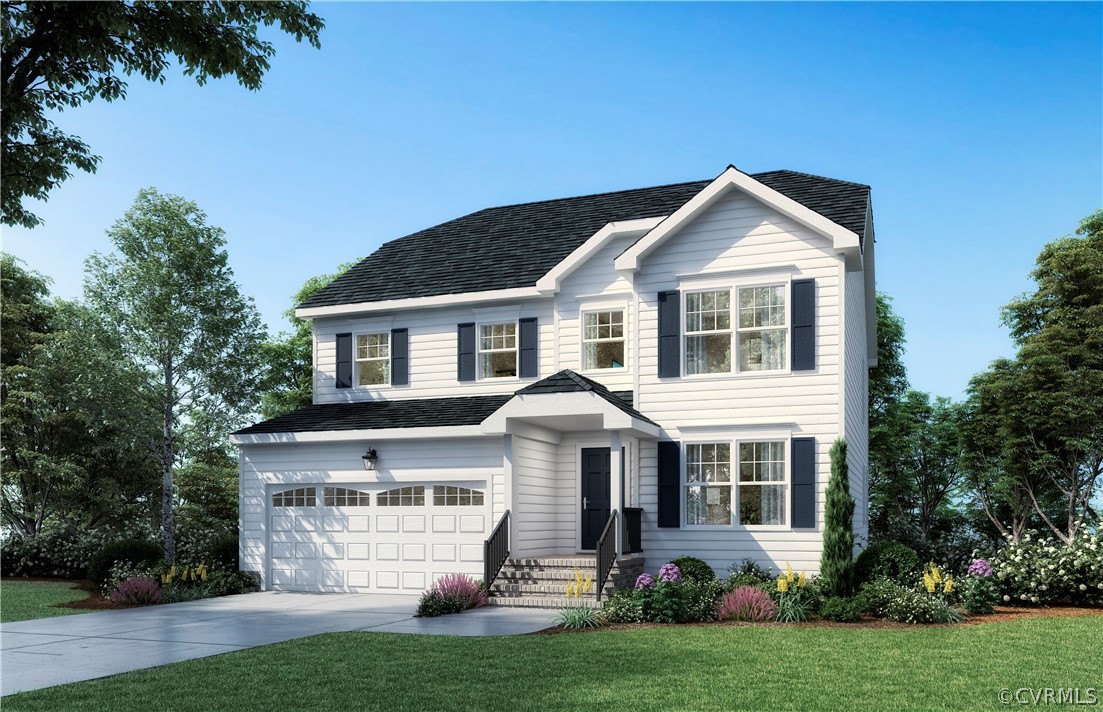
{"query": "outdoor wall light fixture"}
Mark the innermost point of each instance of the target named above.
(371, 457)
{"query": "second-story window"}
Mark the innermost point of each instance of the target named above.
(603, 339)
(708, 332)
(763, 330)
(498, 350)
(373, 359)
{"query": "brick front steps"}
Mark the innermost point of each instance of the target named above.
(541, 582)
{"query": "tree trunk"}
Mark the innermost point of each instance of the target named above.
(166, 465)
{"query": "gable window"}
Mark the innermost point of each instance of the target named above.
(498, 350)
(402, 497)
(762, 482)
(603, 339)
(302, 497)
(763, 329)
(373, 359)
(342, 497)
(708, 332)
(449, 496)
(708, 484)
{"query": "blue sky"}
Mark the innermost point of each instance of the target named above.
(979, 126)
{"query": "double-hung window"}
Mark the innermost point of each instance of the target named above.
(603, 339)
(373, 359)
(708, 332)
(498, 350)
(757, 495)
(763, 328)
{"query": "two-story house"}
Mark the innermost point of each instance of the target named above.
(641, 374)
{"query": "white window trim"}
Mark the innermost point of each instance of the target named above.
(687, 334)
(732, 286)
(600, 309)
(356, 360)
(734, 442)
(479, 350)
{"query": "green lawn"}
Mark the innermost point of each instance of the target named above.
(670, 668)
(24, 600)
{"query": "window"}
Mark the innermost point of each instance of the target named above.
(373, 359)
(762, 483)
(403, 497)
(449, 496)
(708, 332)
(302, 497)
(708, 484)
(603, 339)
(763, 330)
(341, 497)
(497, 350)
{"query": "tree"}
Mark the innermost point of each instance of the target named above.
(59, 55)
(289, 358)
(888, 383)
(180, 317)
(75, 420)
(837, 559)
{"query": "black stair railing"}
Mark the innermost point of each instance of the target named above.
(496, 551)
(606, 553)
(633, 540)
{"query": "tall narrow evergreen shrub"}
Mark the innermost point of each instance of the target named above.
(837, 560)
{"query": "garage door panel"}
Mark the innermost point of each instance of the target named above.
(387, 552)
(471, 552)
(444, 523)
(333, 578)
(281, 523)
(473, 523)
(359, 550)
(333, 551)
(306, 550)
(413, 580)
(359, 523)
(333, 523)
(282, 549)
(413, 552)
(359, 579)
(386, 579)
(386, 522)
(444, 552)
(413, 523)
(306, 523)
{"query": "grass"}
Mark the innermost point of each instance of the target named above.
(24, 600)
(668, 668)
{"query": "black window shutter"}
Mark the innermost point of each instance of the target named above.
(670, 484)
(804, 482)
(465, 355)
(670, 335)
(529, 339)
(400, 357)
(344, 360)
(804, 325)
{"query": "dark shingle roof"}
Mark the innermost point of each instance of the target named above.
(514, 245)
(370, 415)
(567, 381)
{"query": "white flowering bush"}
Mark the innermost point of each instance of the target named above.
(920, 607)
(1042, 569)
(62, 552)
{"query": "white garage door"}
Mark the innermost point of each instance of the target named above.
(375, 537)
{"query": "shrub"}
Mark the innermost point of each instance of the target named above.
(134, 551)
(886, 559)
(791, 609)
(701, 598)
(670, 573)
(625, 606)
(579, 617)
(694, 569)
(749, 573)
(747, 603)
(979, 594)
(453, 593)
(230, 583)
(123, 570)
(842, 610)
(911, 606)
(670, 600)
(1042, 569)
(877, 594)
(224, 554)
(141, 590)
(57, 551)
(837, 560)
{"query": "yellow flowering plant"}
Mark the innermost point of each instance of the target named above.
(581, 585)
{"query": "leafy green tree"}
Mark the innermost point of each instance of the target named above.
(59, 55)
(289, 358)
(888, 383)
(181, 317)
(75, 418)
(1046, 406)
(837, 559)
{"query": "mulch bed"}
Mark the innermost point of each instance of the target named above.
(1002, 614)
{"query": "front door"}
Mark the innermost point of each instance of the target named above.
(595, 494)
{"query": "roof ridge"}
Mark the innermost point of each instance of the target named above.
(810, 175)
(595, 195)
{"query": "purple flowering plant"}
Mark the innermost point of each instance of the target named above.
(670, 573)
(980, 567)
(645, 580)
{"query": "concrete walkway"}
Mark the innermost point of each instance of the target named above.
(53, 651)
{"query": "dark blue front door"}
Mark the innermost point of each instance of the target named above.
(595, 494)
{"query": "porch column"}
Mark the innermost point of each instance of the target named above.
(616, 491)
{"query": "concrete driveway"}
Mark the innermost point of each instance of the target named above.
(54, 651)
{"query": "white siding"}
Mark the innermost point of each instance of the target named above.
(414, 461)
(542, 499)
(433, 351)
(739, 238)
(856, 414)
